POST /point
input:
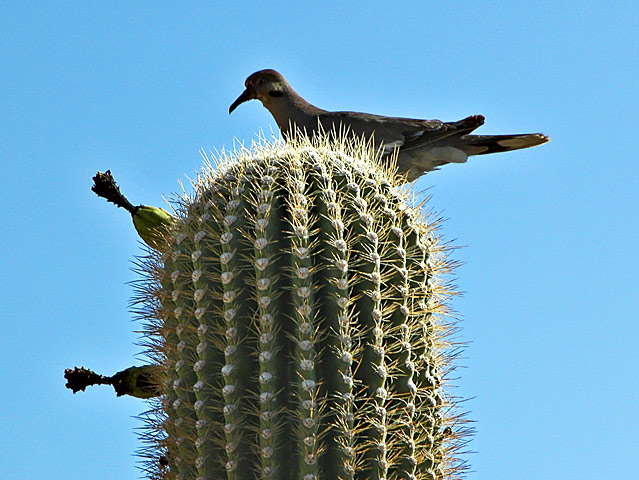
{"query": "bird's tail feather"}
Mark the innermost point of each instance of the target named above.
(483, 144)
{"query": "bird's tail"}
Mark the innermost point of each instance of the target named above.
(483, 144)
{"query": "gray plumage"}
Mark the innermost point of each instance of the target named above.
(422, 145)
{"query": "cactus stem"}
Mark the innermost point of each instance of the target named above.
(296, 308)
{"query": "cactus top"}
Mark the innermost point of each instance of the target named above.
(298, 311)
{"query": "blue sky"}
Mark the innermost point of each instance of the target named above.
(549, 234)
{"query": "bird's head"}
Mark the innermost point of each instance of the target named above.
(267, 86)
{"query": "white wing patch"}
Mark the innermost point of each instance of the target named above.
(391, 146)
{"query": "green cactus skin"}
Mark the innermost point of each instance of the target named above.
(298, 311)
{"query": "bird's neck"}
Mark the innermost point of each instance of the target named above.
(293, 111)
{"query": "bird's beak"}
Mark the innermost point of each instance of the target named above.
(248, 94)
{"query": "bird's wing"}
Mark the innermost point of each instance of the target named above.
(425, 135)
(402, 133)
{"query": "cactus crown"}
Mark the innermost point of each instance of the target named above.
(298, 312)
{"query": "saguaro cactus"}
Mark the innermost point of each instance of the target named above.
(297, 313)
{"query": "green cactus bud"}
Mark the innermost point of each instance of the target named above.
(151, 223)
(298, 317)
(140, 382)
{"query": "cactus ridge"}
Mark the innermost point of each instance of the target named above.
(298, 310)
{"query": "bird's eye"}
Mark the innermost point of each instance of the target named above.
(260, 81)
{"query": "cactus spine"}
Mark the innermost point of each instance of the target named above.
(297, 310)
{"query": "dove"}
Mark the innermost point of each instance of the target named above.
(420, 145)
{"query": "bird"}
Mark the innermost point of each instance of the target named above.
(420, 145)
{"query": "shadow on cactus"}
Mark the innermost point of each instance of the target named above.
(295, 317)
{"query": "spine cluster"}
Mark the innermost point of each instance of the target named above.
(298, 313)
